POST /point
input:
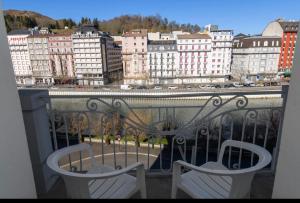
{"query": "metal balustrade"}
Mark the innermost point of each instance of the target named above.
(158, 129)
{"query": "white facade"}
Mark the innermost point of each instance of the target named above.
(40, 59)
(154, 35)
(256, 56)
(222, 41)
(88, 58)
(18, 45)
(194, 55)
(162, 61)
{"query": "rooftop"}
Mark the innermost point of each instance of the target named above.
(19, 32)
(161, 42)
(194, 36)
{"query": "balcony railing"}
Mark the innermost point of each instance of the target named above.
(160, 129)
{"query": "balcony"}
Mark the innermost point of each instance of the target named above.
(129, 128)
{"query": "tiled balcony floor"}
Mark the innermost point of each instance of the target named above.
(160, 188)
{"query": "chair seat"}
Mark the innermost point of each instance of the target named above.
(200, 185)
(118, 187)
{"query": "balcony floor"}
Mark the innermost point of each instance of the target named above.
(160, 188)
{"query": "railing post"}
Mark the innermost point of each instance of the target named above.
(284, 96)
(36, 122)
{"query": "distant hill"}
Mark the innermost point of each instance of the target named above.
(17, 19)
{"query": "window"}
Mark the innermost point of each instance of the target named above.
(266, 43)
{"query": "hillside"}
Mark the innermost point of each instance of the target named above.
(16, 19)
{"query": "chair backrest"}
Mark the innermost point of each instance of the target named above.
(241, 182)
(76, 185)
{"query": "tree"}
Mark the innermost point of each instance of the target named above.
(57, 25)
(95, 23)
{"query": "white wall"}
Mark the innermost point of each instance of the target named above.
(16, 177)
(287, 177)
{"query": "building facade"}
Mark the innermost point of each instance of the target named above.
(40, 59)
(97, 59)
(194, 58)
(61, 57)
(255, 57)
(287, 30)
(134, 52)
(221, 52)
(114, 58)
(162, 61)
(18, 45)
(88, 59)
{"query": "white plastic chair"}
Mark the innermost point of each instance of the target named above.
(100, 182)
(213, 180)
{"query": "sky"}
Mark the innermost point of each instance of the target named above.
(243, 16)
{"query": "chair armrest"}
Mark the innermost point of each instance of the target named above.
(200, 169)
(139, 166)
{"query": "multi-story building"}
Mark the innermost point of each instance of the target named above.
(162, 61)
(194, 57)
(96, 57)
(287, 30)
(114, 58)
(255, 57)
(61, 57)
(88, 59)
(18, 45)
(221, 51)
(134, 51)
(40, 59)
(154, 35)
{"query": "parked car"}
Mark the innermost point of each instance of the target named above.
(217, 86)
(210, 86)
(230, 86)
(158, 88)
(249, 84)
(141, 88)
(189, 87)
(172, 87)
(126, 87)
(236, 84)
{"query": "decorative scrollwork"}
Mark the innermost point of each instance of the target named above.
(92, 104)
(180, 139)
(242, 102)
(217, 101)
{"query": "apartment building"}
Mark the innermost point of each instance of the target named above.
(287, 30)
(88, 61)
(40, 59)
(61, 57)
(162, 61)
(255, 57)
(114, 58)
(97, 59)
(134, 52)
(194, 57)
(18, 45)
(221, 51)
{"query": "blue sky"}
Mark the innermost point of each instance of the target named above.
(246, 16)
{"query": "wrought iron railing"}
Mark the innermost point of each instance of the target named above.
(160, 129)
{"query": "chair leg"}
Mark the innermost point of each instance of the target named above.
(143, 193)
(174, 192)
